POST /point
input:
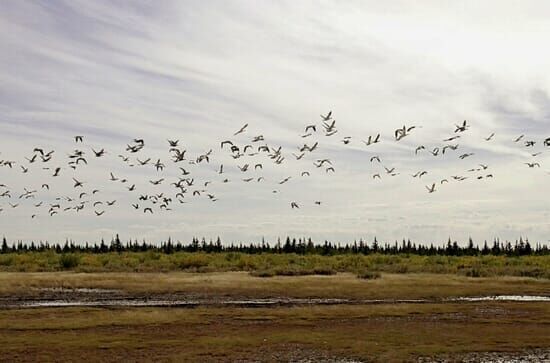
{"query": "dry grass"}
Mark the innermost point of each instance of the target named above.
(384, 333)
(238, 284)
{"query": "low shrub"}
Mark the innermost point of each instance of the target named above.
(324, 271)
(6, 260)
(263, 273)
(68, 261)
(293, 271)
(474, 272)
(535, 272)
(191, 262)
(277, 264)
(369, 275)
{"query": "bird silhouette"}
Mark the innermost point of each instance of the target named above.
(463, 127)
(326, 117)
(241, 130)
(490, 137)
(518, 139)
(372, 140)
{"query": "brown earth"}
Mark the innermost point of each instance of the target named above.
(383, 332)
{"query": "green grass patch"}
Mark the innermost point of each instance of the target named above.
(271, 264)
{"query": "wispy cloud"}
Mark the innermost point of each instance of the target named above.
(197, 71)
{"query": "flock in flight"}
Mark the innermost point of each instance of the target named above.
(249, 152)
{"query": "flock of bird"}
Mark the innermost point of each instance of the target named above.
(249, 157)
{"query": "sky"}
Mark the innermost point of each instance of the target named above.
(198, 71)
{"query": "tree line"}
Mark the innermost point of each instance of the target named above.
(302, 246)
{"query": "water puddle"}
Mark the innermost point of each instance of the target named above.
(103, 303)
(92, 297)
(82, 290)
(526, 298)
(180, 302)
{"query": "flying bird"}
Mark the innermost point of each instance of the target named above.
(99, 153)
(78, 183)
(518, 139)
(462, 128)
(241, 130)
(419, 174)
(464, 156)
(372, 140)
(452, 138)
(226, 142)
(490, 137)
(285, 180)
(326, 117)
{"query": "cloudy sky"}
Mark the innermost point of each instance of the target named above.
(198, 70)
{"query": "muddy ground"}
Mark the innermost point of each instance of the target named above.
(239, 319)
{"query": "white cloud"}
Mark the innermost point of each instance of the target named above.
(197, 71)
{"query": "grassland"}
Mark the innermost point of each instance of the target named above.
(375, 333)
(242, 284)
(383, 332)
(268, 265)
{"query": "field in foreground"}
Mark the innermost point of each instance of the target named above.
(385, 331)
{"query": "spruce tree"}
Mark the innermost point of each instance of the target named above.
(5, 247)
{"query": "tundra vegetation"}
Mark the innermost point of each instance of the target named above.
(292, 258)
(395, 303)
